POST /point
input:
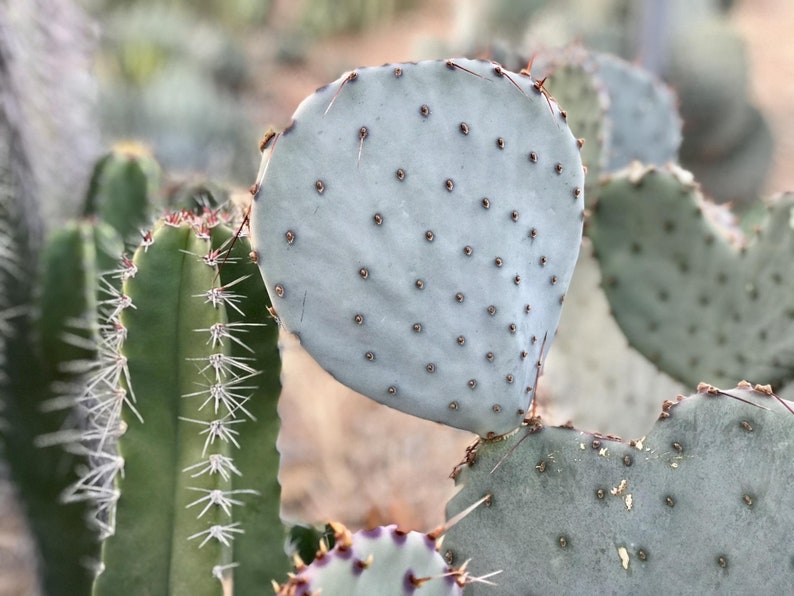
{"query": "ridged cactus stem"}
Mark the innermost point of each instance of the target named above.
(170, 416)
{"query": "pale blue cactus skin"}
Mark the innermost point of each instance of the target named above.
(643, 115)
(417, 226)
(701, 505)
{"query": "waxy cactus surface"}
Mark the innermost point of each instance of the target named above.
(675, 275)
(701, 505)
(417, 227)
(383, 561)
(571, 76)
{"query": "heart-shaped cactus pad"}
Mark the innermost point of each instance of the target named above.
(417, 226)
(678, 272)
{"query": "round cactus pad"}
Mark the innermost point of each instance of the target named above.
(383, 561)
(417, 226)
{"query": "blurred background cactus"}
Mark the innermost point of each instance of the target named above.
(197, 83)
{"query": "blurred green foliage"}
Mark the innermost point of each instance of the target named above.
(172, 78)
(230, 13)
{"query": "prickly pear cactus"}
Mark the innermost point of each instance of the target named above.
(383, 561)
(622, 111)
(571, 77)
(702, 504)
(675, 276)
(417, 226)
(645, 124)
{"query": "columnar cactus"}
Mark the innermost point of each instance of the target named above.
(75, 258)
(182, 418)
(417, 226)
(39, 475)
(121, 189)
(701, 504)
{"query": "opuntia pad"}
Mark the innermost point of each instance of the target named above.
(417, 226)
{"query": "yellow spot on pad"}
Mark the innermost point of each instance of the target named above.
(618, 490)
(624, 556)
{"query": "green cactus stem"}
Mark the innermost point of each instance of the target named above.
(180, 398)
(122, 187)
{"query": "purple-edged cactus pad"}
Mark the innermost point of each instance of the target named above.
(383, 561)
(417, 226)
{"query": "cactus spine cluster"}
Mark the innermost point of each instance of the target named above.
(176, 396)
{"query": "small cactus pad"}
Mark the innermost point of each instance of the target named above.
(417, 226)
(570, 76)
(383, 561)
(643, 115)
(701, 505)
(674, 276)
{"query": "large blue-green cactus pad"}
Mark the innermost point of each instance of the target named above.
(701, 505)
(676, 275)
(417, 226)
